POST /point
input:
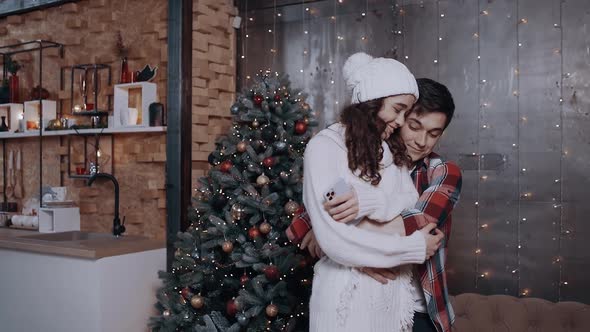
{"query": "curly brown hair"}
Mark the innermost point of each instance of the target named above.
(364, 143)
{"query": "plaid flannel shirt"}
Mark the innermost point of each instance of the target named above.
(439, 184)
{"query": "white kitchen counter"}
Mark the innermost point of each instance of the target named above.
(99, 284)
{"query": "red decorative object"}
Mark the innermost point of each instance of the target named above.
(244, 279)
(185, 292)
(268, 161)
(271, 272)
(278, 97)
(303, 263)
(258, 100)
(300, 127)
(230, 307)
(253, 233)
(225, 166)
(300, 210)
(125, 73)
(13, 87)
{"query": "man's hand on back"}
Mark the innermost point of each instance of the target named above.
(310, 242)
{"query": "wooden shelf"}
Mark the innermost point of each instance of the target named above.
(47, 133)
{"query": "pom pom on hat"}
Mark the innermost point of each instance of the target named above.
(372, 78)
(353, 65)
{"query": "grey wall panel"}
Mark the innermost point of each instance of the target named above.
(458, 71)
(498, 243)
(497, 134)
(576, 148)
(539, 248)
(575, 256)
(420, 38)
(461, 251)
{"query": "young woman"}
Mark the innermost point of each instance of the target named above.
(361, 152)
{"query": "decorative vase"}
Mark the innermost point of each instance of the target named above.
(125, 74)
(13, 86)
(3, 126)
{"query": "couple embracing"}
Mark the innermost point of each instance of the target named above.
(384, 227)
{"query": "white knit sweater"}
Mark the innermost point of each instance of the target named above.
(343, 299)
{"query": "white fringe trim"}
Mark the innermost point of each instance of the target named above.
(406, 301)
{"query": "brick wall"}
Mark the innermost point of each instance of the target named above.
(214, 77)
(88, 30)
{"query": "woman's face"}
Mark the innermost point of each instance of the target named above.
(393, 112)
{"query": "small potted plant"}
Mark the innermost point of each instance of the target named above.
(12, 66)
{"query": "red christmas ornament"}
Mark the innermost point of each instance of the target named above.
(253, 233)
(268, 161)
(271, 272)
(225, 166)
(244, 279)
(278, 97)
(230, 307)
(302, 263)
(185, 292)
(300, 127)
(258, 100)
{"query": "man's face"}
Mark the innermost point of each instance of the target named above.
(420, 133)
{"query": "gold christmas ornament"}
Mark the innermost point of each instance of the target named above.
(227, 247)
(237, 212)
(242, 146)
(255, 124)
(272, 310)
(291, 207)
(178, 253)
(197, 301)
(265, 228)
(262, 180)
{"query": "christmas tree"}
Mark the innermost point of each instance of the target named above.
(234, 268)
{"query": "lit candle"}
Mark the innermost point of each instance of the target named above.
(21, 122)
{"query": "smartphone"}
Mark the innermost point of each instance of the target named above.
(339, 188)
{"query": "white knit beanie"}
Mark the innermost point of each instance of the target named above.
(372, 78)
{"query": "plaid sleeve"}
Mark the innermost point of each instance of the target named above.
(438, 200)
(300, 225)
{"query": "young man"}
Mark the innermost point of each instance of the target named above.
(438, 183)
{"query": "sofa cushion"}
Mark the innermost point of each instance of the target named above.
(503, 313)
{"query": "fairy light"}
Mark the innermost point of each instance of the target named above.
(441, 15)
(245, 37)
(479, 125)
(562, 282)
(519, 212)
(273, 50)
(402, 13)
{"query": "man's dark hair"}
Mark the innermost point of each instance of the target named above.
(434, 97)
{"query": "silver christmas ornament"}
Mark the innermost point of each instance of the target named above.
(262, 180)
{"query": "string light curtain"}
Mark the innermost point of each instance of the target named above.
(516, 70)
